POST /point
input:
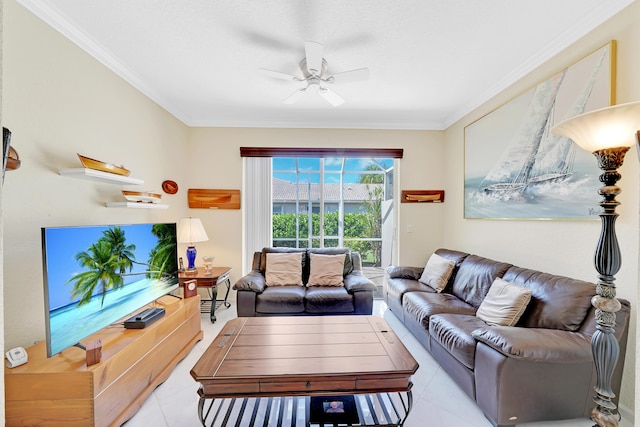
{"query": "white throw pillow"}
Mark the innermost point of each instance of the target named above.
(504, 303)
(283, 269)
(437, 272)
(326, 270)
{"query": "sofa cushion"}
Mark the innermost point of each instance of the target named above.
(437, 272)
(281, 300)
(265, 251)
(422, 305)
(325, 270)
(557, 302)
(397, 287)
(454, 333)
(474, 278)
(328, 299)
(455, 256)
(283, 269)
(504, 303)
(537, 344)
(348, 262)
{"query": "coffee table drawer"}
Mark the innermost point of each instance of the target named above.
(306, 386)
(229, 389)
(400, 384)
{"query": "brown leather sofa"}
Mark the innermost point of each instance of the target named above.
(541, 369)
(255, 298)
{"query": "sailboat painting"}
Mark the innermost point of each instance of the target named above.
(515, 168)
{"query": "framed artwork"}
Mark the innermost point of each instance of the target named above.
(515, 168)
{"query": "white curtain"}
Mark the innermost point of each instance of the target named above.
(256, 221)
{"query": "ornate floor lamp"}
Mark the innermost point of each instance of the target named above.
(607, 133)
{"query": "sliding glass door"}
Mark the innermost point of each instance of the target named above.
(334, 202)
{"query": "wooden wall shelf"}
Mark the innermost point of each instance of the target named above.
(94, 175)
(136, 205)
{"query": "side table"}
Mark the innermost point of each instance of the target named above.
(210, 281)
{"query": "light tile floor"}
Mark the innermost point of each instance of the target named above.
(437, 399)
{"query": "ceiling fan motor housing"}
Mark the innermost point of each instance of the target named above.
(308, 73)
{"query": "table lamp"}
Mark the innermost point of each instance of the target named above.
(190, 231)
(608, 133)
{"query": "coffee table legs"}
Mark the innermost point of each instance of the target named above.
(201, 410)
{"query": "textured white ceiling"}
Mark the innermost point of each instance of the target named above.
(431, 61)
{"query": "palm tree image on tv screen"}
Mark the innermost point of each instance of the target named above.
(96, 276)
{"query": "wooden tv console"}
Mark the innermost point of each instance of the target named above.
(63, 391)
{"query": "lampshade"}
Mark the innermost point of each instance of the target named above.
(190, 230)
(609, 127)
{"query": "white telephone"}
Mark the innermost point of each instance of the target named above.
(16, 357)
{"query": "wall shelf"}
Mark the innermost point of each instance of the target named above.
(95, 175)
(136, 205)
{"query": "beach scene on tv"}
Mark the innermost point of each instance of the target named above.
(96, 276)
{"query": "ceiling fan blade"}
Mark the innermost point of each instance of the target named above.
(357, 75)
(332, 97)
(291, 99)
(314, 52)
(279, 75)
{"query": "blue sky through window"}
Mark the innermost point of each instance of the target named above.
(309, 168)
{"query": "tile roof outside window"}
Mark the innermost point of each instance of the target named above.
(284, 191)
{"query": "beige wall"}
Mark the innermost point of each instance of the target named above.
(560, 247)
(215, 154)
(59, 101)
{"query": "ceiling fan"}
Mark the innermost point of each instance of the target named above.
(315, 75)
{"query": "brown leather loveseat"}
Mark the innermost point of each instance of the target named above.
(539, 369)
(353, 296)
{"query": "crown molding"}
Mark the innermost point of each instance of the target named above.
(601, 14)
(61, 23)
(53, 17)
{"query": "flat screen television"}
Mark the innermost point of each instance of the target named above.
(97, 275)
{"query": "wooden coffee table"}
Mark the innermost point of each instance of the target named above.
(268, 370)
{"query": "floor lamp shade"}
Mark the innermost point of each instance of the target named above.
(190, 231)
(604, 128)
(607, 133)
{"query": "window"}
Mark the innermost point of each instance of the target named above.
(333, 202)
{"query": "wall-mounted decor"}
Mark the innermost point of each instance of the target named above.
(10, 157)
(516, 169)
(422, 196)
(169, 187)
(213, 199)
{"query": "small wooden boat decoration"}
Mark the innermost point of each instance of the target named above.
(213, 199)
(141, 196)
(98, 165)
(422, 196)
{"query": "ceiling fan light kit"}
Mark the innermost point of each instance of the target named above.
(314, 73)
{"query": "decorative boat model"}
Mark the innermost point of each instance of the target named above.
(98, 165)
(141, 196)
(422, 196)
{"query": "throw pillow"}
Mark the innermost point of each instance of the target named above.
(504, 303)
(326, 270)
(437, 272)
(283, 269)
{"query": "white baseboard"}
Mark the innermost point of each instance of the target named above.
(627, 415)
